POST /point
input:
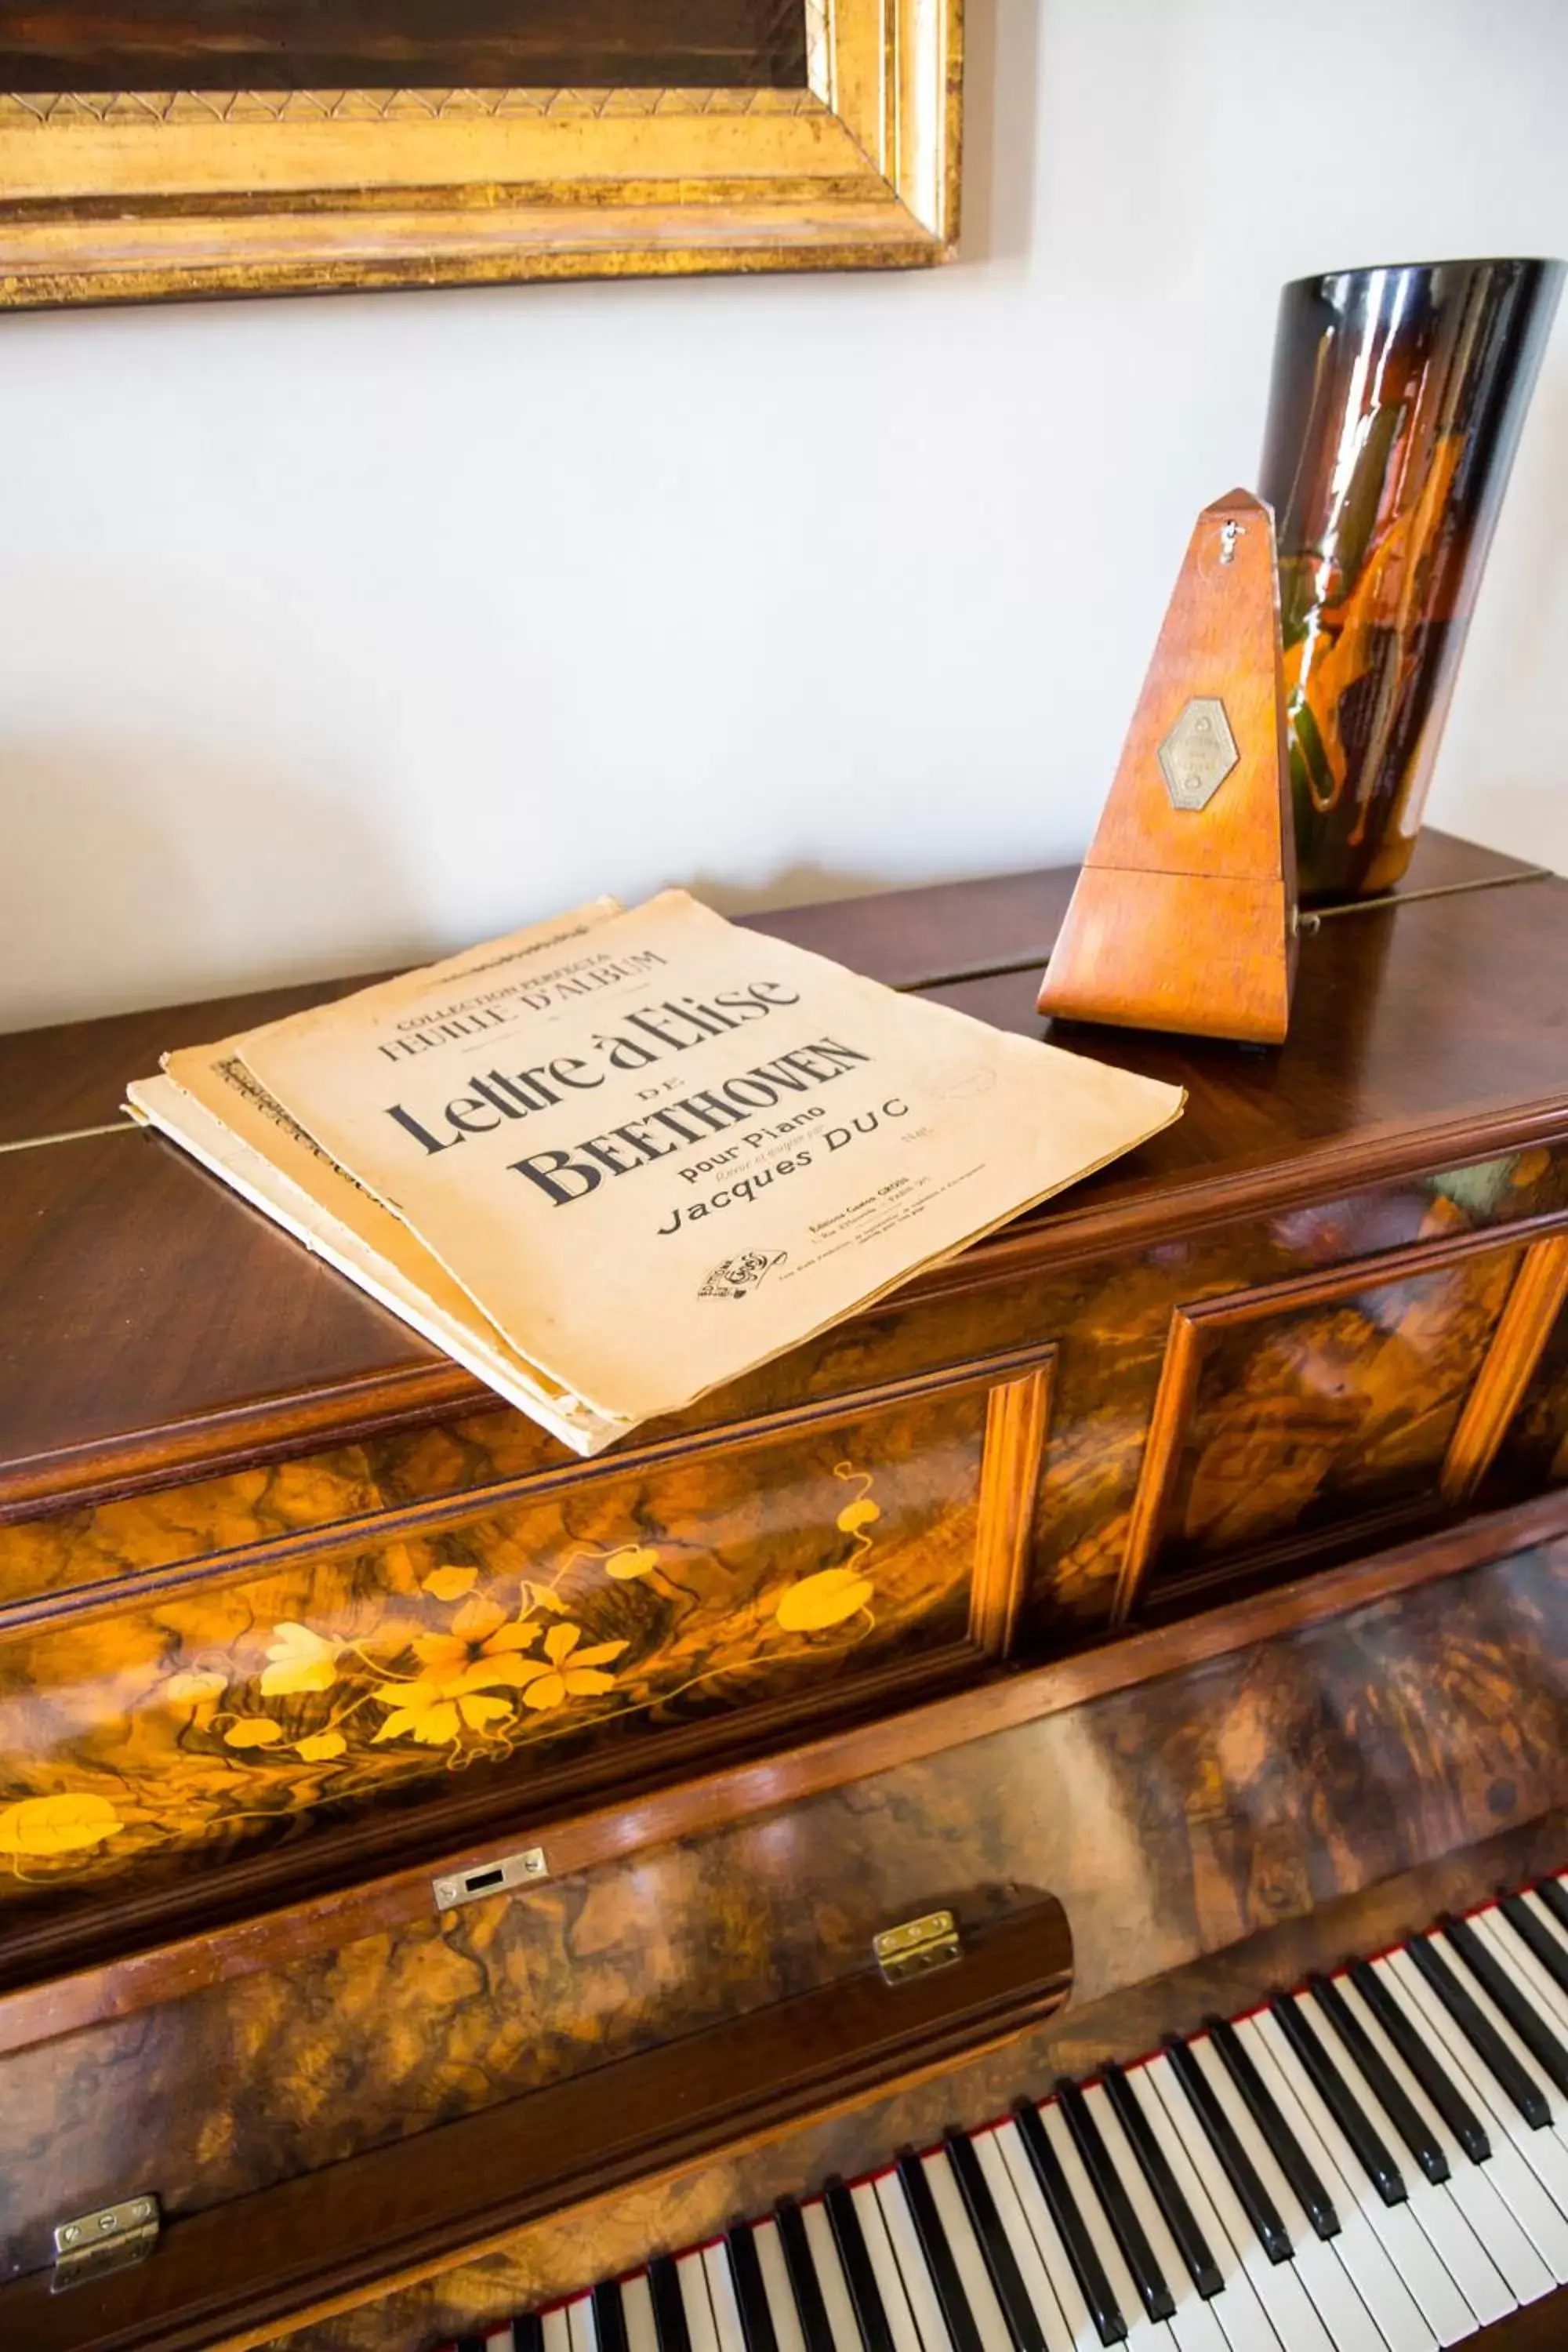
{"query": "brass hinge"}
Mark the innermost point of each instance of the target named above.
(930, 1942)
(105, 2241)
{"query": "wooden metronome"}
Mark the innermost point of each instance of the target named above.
(1185, 914)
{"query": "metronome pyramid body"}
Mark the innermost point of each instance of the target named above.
(1185, 914)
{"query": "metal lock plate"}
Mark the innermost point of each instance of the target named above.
(105, 2241)
(456, 1887)
(919, 1946)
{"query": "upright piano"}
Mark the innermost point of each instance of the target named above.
(451, 1893)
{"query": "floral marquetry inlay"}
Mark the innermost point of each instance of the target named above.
(638, 1603)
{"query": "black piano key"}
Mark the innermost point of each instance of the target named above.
(1279, 2139)
(610, 2320)
(1130, 2236)
(1424, 2060)
(470, 2344)
(1191, 2243)
(669, 2307)
(950, 2293)
(750, 2295)
(1380, 2079)
(986, 2222)
(1482, 2035)
(1554, 1894)
(804, 2286)
(1373, 2151)
(1547, 1948)
(1256, 2203)
(859, 2276)
(527, 2332)
(1514, 2003)
(1062, 2206)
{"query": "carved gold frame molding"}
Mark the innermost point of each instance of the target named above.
(127, 197)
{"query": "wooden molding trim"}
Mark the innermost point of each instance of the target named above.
(1017, 1414)
(213, 1570)
(407, 1394)
(128, 196)
(77, 1989)
(1174, 1402)
(1538, 1293)
(1176, 1397)
(400, 2213)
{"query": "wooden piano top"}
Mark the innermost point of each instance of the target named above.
(152, 1320)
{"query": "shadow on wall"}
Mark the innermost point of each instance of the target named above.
(1001, 120)
(133, 874)
(793, 885)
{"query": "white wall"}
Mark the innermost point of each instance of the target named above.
(338, 631)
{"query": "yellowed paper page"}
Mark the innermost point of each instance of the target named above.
(675, 1148)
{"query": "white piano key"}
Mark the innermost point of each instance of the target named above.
(1549, 1920)
(913, 2268)
(1557, 2130)
(1292, 2314)
(968, 2260)
(885, 2269)
(584, 2335)
(1521, 2158)
(1142, 2331)
(1053, 2254)
(698, 2304)
(1511, 1951)
(637, 2304)
(1324, 2276)
(830, 2278)
(1434, 2248)
(1470, 2186)
(1239, 2312)
(1054, 2324)
(727, 2320)
(1193, 2327)
(1374, 2253)
(777, 2286)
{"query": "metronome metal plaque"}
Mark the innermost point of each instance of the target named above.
(1198, 754)
(1185, 914)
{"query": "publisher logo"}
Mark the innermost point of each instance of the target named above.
(737, 1276)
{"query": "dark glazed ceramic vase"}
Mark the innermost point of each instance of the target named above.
(1396, 401)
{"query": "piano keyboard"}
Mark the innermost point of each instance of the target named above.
(1377, 2162)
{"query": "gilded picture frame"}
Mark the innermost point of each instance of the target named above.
(123, 195)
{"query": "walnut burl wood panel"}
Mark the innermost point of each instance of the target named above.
(793, 1564)
(1534, 1451)
(1335, 1395)
(1171, 1820)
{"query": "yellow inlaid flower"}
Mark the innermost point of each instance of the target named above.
(631, 1559)
(825, 1599)
(253, 1731)
(66, 1823)
(449, 1583)
(480, 1654)
(301, 1661)
(320, 1747)
(570, 1673)
(195, 1686)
